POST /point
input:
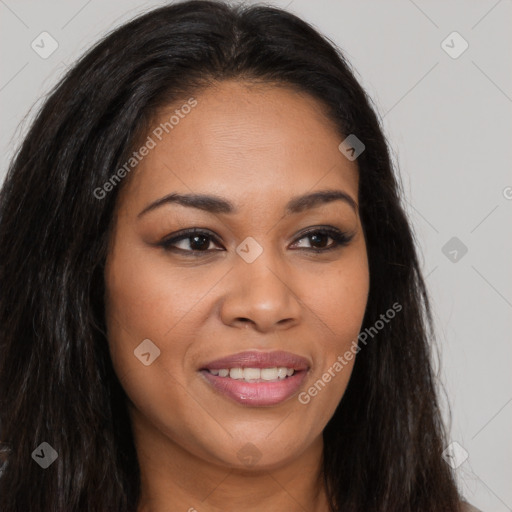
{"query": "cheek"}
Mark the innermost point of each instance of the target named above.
(338, 300)
(147, 293)
(138, 305)
(338, 303)
(150, 298)
(139, 294)
(141, 304)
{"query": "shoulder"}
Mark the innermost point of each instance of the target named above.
(466, 507)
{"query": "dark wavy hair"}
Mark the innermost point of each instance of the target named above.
(383, 444)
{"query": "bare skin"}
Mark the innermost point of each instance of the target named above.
(257, 147)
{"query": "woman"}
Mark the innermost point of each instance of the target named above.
(210, 293)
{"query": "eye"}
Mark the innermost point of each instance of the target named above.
(320, 236)
(195, 241)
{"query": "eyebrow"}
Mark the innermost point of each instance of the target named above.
(215, 204)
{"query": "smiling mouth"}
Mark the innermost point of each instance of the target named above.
(255, 387)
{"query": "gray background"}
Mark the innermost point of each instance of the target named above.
(449, 125)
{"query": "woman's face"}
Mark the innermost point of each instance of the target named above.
(251, 282)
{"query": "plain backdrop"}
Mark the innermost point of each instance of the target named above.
(447, 114)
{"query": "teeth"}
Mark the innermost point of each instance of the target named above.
(269, 373)
(281, 373)
(236, 373)
(250, 373)
(255, 374)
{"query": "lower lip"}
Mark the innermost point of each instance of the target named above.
(257, 394)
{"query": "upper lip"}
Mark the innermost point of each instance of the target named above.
(254, 359)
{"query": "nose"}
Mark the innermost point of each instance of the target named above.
(262, 295)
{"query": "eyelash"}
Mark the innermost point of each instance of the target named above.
(340, 238)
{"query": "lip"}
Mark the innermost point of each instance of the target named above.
(254, 359)
(257, 394)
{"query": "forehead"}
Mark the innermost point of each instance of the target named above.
(251, 143)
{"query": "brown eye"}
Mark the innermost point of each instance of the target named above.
(318, 239)
(197, 242)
